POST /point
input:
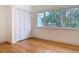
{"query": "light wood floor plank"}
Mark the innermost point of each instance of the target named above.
(35, 45)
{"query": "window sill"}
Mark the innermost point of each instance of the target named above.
(58, 28)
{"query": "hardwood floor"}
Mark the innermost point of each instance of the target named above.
(34, 45)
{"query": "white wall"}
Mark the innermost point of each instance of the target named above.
(4, 23)
(61, 35)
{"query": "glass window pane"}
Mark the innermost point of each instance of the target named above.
(68, 21)
(53, 18)
(40, 17)
(56, 18)
(75, 17)
(72, 17)
(48, 16)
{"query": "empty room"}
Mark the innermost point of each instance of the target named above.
(39, 29)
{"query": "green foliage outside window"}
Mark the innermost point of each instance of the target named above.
(68, 17)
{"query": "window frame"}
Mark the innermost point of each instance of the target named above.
(62, 26)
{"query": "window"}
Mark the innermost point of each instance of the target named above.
(68, 17)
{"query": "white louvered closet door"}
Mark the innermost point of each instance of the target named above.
(17, 25)
(22, 24)
(27, 24)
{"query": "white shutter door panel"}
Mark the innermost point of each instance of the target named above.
(26, 25)
(22, 25)
(17, 26)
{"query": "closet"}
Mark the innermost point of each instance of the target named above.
(22, 24)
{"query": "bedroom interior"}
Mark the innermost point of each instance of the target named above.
(39, 28)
